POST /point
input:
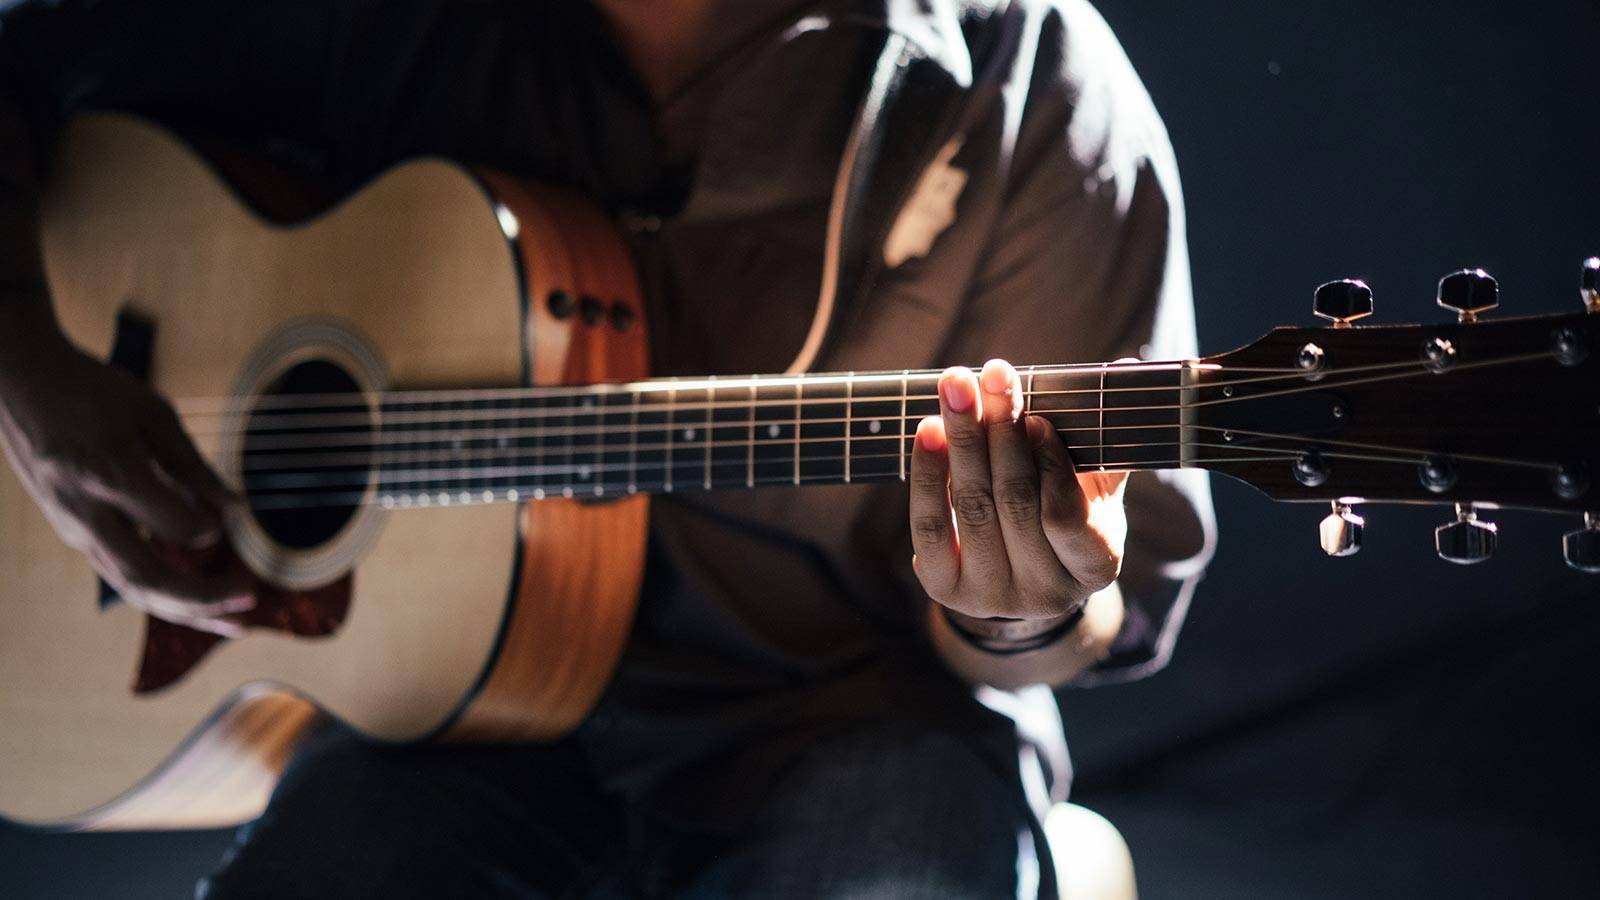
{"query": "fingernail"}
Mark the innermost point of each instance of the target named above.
(956, 392)
(995, 379)
(930, 434)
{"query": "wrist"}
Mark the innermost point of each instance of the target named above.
(1008, 637)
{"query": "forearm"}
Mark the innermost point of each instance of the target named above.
(1056, 664)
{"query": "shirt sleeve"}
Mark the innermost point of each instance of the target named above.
(1089, 263)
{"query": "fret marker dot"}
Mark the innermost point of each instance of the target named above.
(512, 496)
(466, 497)
(387, 501)
(538, 493)
(444, 499)
(874, 426)
(688, 434)
(424, 500)
(773, 431)
(405, 500)
(599, 489)
(566, 492)
(583, 473)
(488, 496)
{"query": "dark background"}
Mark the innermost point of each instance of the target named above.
(1386, 725)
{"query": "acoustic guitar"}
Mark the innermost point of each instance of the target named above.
(434, 397)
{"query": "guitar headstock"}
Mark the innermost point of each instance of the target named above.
(1474, 414)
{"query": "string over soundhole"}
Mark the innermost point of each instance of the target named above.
(305, 449)
(308, 454)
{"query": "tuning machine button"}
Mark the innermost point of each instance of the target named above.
(1589, 287)
(1342, 302)
(1340, 532)
(1468, 539)
(1582, 547)
(1469, 293)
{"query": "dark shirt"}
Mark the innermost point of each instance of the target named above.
(768, 615)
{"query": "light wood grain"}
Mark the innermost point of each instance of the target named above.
(418, 265)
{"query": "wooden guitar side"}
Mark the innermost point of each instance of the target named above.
(471, 623)
(582, 563)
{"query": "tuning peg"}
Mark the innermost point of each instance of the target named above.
(1469, 292)
(1341, 531)
(1467, 540)
(1590, 286)
(1582, 547)
(1343, 302)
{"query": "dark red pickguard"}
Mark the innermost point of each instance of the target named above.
(170, 651)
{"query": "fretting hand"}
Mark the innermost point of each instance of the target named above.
(1002, 523)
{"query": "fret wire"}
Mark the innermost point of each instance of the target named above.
(797, 397)
(905, 376)
(1102, 405)
(750, 449)
(711, 395)
(672, 429)
(849, 414)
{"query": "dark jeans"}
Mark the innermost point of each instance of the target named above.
(886, 811)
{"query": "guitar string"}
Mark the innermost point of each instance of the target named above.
(585, 468)
(316, 459)
(381, 458)
(324, 441)
(231, 404)
(595, 456)
(470, 494)
(588, 397)
(465, 495)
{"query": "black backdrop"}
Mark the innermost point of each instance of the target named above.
(1386, 725)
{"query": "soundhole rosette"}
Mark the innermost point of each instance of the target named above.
(298, 445)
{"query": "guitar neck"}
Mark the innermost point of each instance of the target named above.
(674, 435)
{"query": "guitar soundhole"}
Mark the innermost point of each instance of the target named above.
(307, 454)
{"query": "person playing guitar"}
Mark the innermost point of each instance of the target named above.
(794, 714)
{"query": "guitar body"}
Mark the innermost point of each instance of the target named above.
(470, 622)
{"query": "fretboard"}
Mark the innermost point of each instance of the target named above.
(675, 435)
